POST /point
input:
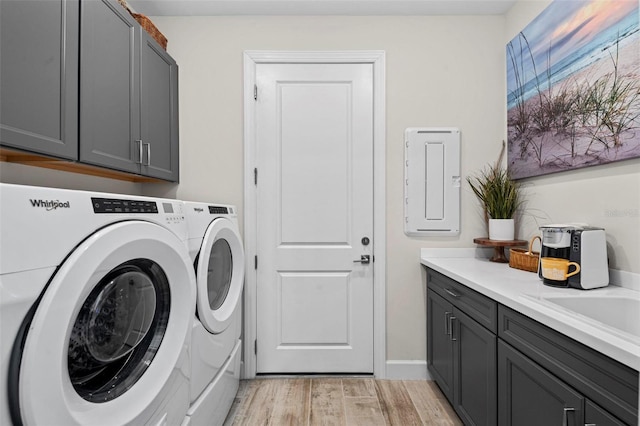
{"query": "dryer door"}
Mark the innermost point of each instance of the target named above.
(219, 274)
(106, 341)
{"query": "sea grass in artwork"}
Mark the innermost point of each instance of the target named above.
(573, 87)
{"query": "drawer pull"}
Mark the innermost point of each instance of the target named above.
(452, 293)
(565, 416)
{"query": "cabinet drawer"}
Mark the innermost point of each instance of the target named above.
(610, 384)
(477, 306)
(596, 416)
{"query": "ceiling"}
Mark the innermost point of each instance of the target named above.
(320, 7)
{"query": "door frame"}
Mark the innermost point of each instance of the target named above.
(377, 59)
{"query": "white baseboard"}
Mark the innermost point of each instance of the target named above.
(407, 370)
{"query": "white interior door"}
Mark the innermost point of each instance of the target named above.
(314, 131)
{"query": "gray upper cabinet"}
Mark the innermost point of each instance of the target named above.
(159, 119)
(109, 87)
(81, 80)
(129, 95)
(39, 69)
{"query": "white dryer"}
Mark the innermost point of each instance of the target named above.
(215, 246)
(97, 297)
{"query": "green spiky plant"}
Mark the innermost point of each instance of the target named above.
(499, 194)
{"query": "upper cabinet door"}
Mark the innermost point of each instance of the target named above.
(109, 87)
(39, 68)
(159, 111)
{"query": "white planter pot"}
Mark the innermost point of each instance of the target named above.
(501, 229)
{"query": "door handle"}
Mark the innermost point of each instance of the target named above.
(365, 259)
(139, 143)
(565, 415)
(148, 145)
(447, 325)
(451, 335)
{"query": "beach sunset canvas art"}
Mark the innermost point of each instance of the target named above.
(573, 87)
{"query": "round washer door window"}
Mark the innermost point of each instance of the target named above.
(108, 338)
(220, 275)
(118, 330)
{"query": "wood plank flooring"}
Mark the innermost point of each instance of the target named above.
(340, 401)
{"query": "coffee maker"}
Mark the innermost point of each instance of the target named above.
(581, 245)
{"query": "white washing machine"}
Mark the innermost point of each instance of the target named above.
(215, 246)
(97, 298)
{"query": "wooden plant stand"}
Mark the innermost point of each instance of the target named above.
(498, 247)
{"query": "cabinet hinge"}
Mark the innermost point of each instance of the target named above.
(255, 262)
(255, 92)
(255, 176)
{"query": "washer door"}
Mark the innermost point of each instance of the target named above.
(219, 274)
(105, 341)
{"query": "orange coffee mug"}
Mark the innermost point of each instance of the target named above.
(557, 269)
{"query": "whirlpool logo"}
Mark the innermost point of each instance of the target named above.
(50, 204)
(198, 209)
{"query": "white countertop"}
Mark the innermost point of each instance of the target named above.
(519, 290)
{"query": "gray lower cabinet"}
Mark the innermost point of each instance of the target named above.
(39, 68)
(530, 396)
(461, 353)
(439, 343)
(497, 366)
(128, 95)
(545, 373)
(474, 370)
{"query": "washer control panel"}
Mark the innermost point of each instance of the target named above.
(113, 205)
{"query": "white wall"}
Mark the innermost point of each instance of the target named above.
(441, 71)
(606, 196)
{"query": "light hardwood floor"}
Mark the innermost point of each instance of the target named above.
(340, 401)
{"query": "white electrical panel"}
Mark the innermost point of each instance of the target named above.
(432, 181)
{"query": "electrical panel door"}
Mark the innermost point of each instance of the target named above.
(432, 181)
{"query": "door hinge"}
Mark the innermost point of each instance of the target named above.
(255, 176)
(255, 92)
(255, 347)
(255, 262)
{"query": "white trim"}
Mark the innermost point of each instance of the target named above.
(407, 370)
(624, 279)
(377, 59)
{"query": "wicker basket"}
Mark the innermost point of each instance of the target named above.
(153, 31)
(525, 260)
(147, 25)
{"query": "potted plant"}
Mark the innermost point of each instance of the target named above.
(500, 197)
